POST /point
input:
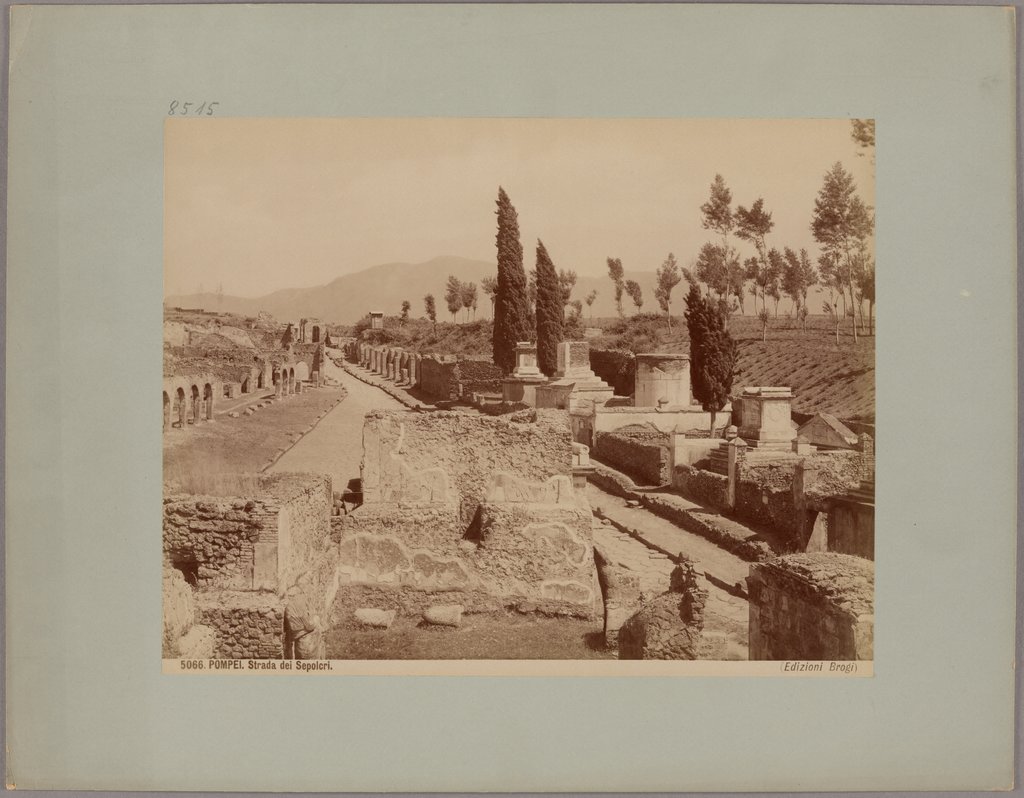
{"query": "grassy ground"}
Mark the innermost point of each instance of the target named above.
(485, 636)
(197, 458)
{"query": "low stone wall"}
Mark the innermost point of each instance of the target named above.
(640, 452)
(703, 487)
(247, 625)
(812, 607)
(439, 378)
(616, 367)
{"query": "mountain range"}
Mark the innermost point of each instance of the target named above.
(350, 297)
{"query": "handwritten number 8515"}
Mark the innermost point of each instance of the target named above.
(195, 109)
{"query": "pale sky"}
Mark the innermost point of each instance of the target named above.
(263, 204)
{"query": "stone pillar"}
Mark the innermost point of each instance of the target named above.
(737, 452)
(662, 379)
(414, 370)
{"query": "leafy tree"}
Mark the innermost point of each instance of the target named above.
(550, 312)
(717, 216)
(842, 224)
(577, 309)
(490, 287)
(833, 311)
(865, 278)
(406, 307)
(566, 282)
(590, 302)
(633, 289)
(453, 295)
(668, 278)
(468, 294)
(511, 308)
(773, 277)
(713, 353)
(797, 276)
(287, 338)
(862, 131)
(753, 226)
(617, 273)
(431, 308)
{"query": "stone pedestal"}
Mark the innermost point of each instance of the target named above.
(662, 379)
(376, 320)
(575, 384)
(765, 420)
(521, 386)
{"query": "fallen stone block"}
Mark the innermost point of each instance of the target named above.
(249, 411)
(632, 503)
(444, 615)
(233, 414)
(378, 619)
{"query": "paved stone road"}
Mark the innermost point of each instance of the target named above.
(725, 612)
(335, 445)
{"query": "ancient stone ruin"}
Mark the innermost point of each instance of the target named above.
(497, 520)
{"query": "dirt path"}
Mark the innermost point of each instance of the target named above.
(335, 445)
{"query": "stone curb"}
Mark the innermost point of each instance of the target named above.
(618, 484)
(388, 387)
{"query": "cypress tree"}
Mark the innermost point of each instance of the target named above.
(549, 312)
(713, 353)
(511, 309)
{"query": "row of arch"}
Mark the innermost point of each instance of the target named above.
(182, 407)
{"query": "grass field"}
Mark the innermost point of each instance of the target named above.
(205, 458)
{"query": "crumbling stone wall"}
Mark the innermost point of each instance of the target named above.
(216, 534)
(616, 367)
(471, 505)
(704, 487)
(478, 376)
(454, 457)
(244, 553)
(247, 625)
(812, 607)
(671, 626)
(642, 452)
(439, 378)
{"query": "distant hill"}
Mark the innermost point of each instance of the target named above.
(348, 298)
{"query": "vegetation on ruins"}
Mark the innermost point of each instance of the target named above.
(550, 312)
(430, 306)
(617, 275)
(713, 353)
(287, 338)
(842, 224)
(406, 307)
(668, 278)
(511, 309)
(633, 289)
(590, 302)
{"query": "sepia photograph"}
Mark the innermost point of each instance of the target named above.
(518, 389)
